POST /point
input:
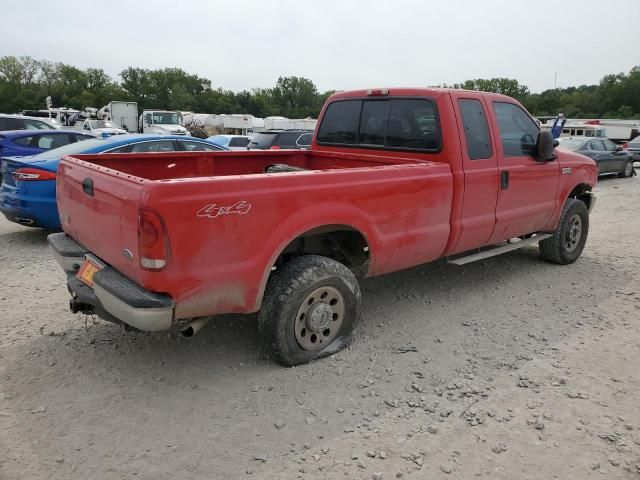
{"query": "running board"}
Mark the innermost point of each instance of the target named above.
(492, 252)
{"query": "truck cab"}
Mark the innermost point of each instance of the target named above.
(162, 122)
(99, 128)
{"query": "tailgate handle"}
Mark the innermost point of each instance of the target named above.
(87, 186)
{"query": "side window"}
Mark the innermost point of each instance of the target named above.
(30, 124)
(7, 123)
(123, 149)
(304, 140)
(51, 141)
(23, 141)
(597, 146)
(340, 122)
(239, 142)
(413, 124)
(191, 146)
(476, 129)
(609, 145)
(373, 122)
(518, 131)
(287, 139)
(156, 146)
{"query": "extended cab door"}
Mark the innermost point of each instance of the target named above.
(528, 188)
(481, 178)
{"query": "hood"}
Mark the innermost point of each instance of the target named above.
(110, 131)
(169, 128)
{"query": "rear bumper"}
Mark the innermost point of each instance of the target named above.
(30, 211)
(114, 297)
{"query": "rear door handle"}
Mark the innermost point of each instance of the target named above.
(504, 179)
(87, 186)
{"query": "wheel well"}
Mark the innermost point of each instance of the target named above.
(341, 243)
(582, 192)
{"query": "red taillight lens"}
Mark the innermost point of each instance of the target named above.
(32, 175)
(625, 145)
(153, 241)
(275, 147)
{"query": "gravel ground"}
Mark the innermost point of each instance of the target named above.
(508, 368)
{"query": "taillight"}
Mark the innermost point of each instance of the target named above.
(153, 241)
(32, 175)
(625, 145)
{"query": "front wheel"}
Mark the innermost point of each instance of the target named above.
(567, 242)
(627, 171)
(310, 308)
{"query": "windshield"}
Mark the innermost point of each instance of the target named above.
(571, 143)
(103, 124)
(72, 148)
(167, 118)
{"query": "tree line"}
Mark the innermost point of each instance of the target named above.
(25, 83)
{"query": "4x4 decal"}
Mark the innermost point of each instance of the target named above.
(214, 211)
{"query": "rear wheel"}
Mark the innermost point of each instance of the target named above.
(309, 311)
(567, 242)
(627, 171)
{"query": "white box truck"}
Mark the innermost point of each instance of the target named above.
(123, 114)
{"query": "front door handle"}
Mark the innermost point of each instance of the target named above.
(504, 179)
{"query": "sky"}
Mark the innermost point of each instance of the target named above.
(338, 44)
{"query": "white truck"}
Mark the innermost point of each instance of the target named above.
(123, 114)
(162, 122)
(99, 128)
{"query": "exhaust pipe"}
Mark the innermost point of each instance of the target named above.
(25, 221)
(194, 327)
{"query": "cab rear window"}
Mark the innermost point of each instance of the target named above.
(393, 124)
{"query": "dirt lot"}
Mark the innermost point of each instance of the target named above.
(510, 368)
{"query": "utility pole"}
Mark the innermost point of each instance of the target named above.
(555, 80)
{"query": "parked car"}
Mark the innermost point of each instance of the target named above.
(394, 178)
(232, 142)
(21, 143)
(21, 122)
(276, 139)
(28, 191)
(609, 157)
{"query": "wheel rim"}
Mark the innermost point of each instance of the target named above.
(319, 318)
(574, 233)
(627, 169)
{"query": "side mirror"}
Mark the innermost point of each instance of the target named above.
(619, 148)
(545, 147)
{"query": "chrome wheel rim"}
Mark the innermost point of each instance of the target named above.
(627, 169)
(573, 234)
(319, 318)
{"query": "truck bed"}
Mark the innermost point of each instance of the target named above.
(179, 165)
(227, 220)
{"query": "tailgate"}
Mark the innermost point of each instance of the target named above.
(99, 209)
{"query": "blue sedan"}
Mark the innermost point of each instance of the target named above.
(28, 191)
(21, 143)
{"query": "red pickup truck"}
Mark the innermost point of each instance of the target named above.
(393, 178)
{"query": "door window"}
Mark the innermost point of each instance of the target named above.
(31, 124)
(48, 142)
(476, 129)
(597, 145)
(191, 146)
(8, 123)
(239, 142)
(518, 131)
(23, 141)
(609, 145)
(157, 146)
(304, 140)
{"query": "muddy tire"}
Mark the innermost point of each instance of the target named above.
(310, 309)
(567, 242)
(627, 171)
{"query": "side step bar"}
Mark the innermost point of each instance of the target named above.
(492, 252)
